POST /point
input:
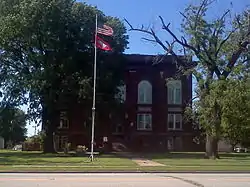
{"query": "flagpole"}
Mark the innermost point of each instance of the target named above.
(94, 98)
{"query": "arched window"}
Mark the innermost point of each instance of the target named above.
(174, 92)
(144, 92)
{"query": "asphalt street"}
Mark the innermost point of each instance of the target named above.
(124, 180)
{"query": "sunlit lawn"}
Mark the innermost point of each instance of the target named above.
(196, 161)
(36, 161)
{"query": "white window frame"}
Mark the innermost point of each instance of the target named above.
(64, 121)
(144, 89)
(173, 86)
(174, 121)
(144, 121)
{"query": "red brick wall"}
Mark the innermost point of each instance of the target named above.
(138, 140)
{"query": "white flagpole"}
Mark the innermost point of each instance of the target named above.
(94, 96)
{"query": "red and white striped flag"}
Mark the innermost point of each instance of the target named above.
(105, 30)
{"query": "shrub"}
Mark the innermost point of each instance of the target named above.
(81, 149)
(34, 143)
(31, 146)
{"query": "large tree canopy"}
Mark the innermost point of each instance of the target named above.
(12, 125)
(48, 52)
(221, 47)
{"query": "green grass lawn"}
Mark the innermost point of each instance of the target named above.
(196, 161)
(60, 159)
(36, 161)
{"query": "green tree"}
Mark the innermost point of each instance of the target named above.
(12, 125)
(235, 110)
(48, 56)
(232, 99)
(220, 48)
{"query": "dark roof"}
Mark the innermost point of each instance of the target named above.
(149, 59)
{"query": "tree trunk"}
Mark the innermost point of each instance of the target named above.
(48, 144)
(233, 144)
(211, 147)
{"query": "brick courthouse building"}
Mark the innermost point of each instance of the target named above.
(151, 118)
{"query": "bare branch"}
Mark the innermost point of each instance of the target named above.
(185, 44)
(158, 59)
(168, 49)
(149, 40)
(184, 40)
(184, 15)
(170, 46)
(151, 33)
(136, 29)
(184, 49)
(224, 15)
(130, 24)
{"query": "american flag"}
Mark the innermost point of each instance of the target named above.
(105, 30)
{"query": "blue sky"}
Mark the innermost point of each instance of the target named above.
(146, 12)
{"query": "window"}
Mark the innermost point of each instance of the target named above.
(170, 121)
(121, 94)
(117, 128)
(144, 122)
(64, 121)
(144, 92)
(174, 92)
(61, 142)
(174, 121)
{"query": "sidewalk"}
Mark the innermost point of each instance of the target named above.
(145, 162)
(139, 160)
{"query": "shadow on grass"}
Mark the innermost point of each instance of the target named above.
(25, 154)
(31, 154)
(39, 158)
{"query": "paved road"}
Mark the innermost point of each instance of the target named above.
(124, 180)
